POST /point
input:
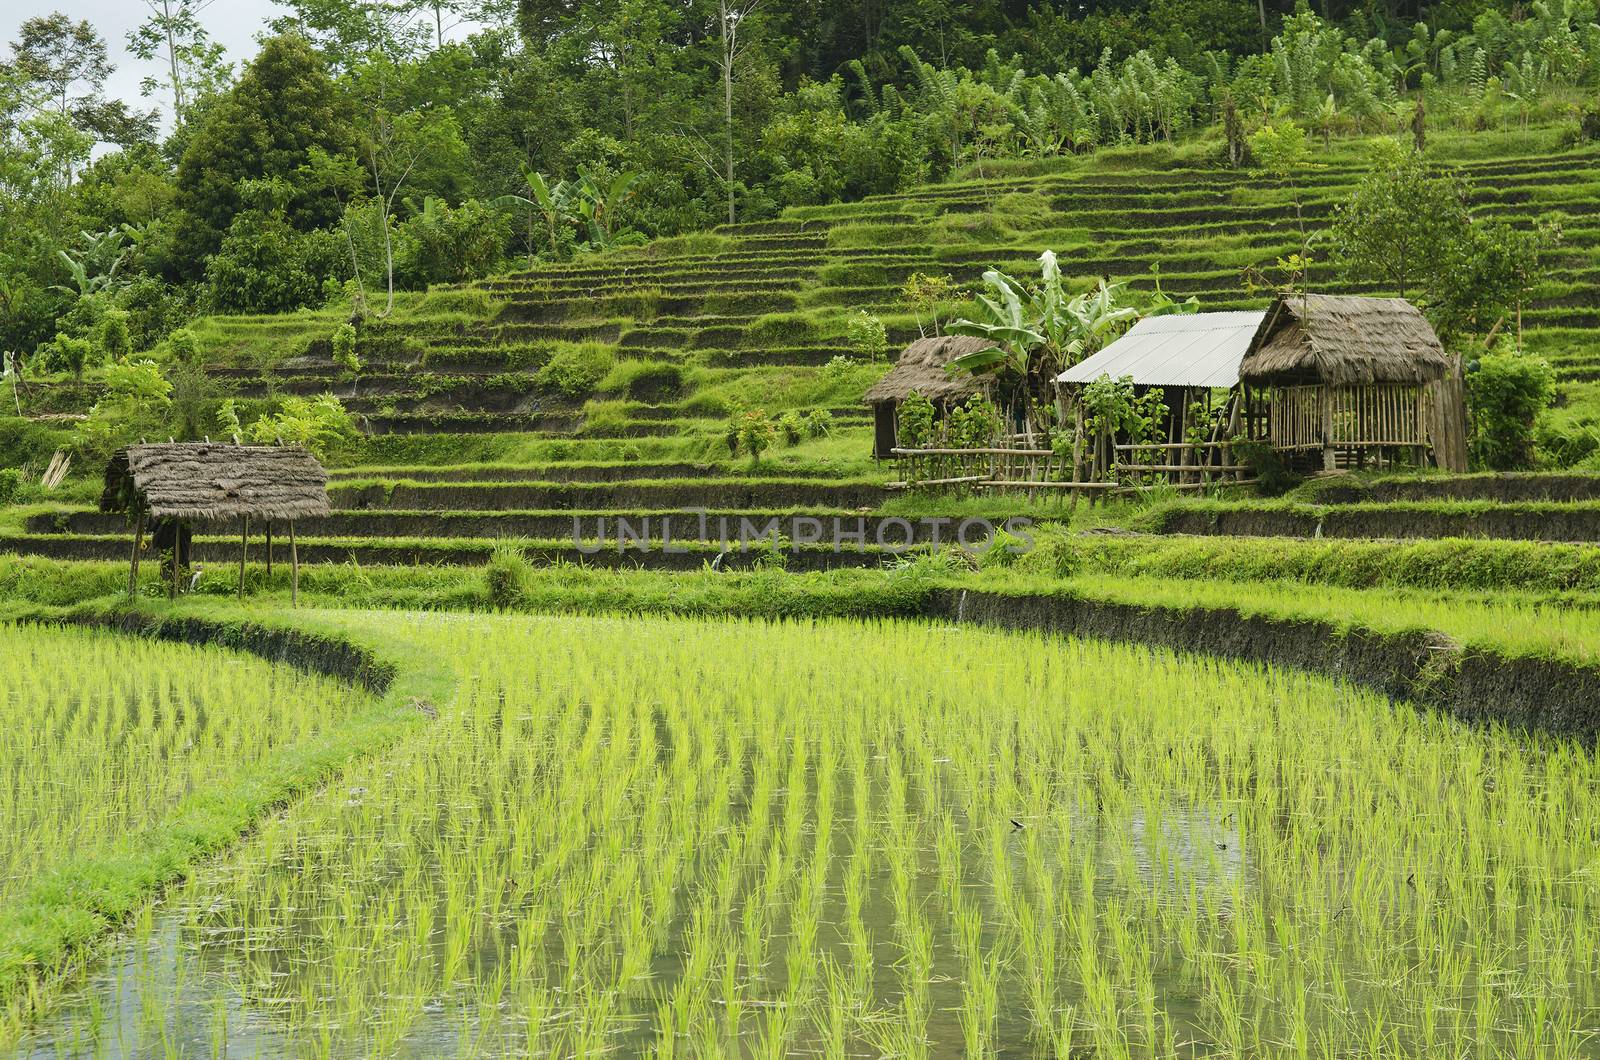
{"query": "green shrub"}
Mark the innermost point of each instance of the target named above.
(10, 484)
(184, 347)
(69, 353)
(1505, 394)
(344, 348)
(576, 368)
(793, 427)
(1266, 464)
(320, 424)
(506, 577)
(442, 244)
(819, 423)
(752, 432)
(113, 334)
(916, 421)
(867, 335)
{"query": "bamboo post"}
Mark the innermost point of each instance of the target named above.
(177, 551)
(133, 566)
(294, 569)
(269, 550)
(1325, 401)
(244, 547)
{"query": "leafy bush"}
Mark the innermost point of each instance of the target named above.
(320, 424)
(183, 346)
(344, 348)
(113, 335)
(974, 424)
(867, 335)
(1266, 464)
(819, 423)
(915, 421)
(135, 403)
(442, 244)
(793, 427)
(1505, 394)
(69, 353)
(10, 483)
(576, 368)
(752, 432)
(264, 264)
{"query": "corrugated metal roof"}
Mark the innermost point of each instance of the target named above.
(1199, 350)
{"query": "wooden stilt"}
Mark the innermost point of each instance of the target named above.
(177, 552)
(269, 550)
(294, 569)
(244, 547)
(133, 566)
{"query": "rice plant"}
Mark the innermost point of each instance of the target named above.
(700, 838)
(104, 733)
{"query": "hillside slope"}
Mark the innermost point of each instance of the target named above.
(604, 385)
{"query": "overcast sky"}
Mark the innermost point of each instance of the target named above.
(231, 23)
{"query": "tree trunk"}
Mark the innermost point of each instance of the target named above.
(728, 44)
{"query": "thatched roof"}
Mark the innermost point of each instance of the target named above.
(921, 370)
(1344, 340)
(209, 480)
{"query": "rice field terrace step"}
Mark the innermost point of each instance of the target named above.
(791, 356)
(1577, 522)
(671, 272)
(221, 554)
(468, 423)
(768, 228)
(1503, 488)
(574, 471)
(589, 526)
(733, 493)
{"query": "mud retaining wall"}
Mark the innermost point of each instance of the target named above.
(308, 652)
(1550, 695)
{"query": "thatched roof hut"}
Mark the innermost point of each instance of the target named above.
(1343, 340)
(1355, 380)
(209, 480)
(178, 482)
(921, 370)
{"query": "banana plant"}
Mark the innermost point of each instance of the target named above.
(1038, 332)
(554, 203)
(604, 201)
(96, 269)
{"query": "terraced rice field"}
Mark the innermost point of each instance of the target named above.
(753, 314)
(676, 838)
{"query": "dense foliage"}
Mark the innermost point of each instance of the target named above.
(373, 146)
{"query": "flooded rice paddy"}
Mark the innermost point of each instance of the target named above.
(722, 838)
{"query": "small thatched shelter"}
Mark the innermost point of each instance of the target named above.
(922, 370)
(182, 482)
(1349, 376)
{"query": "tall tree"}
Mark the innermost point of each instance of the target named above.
(67, 61)
(731, 19)
(263, 128)
(174, 35)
